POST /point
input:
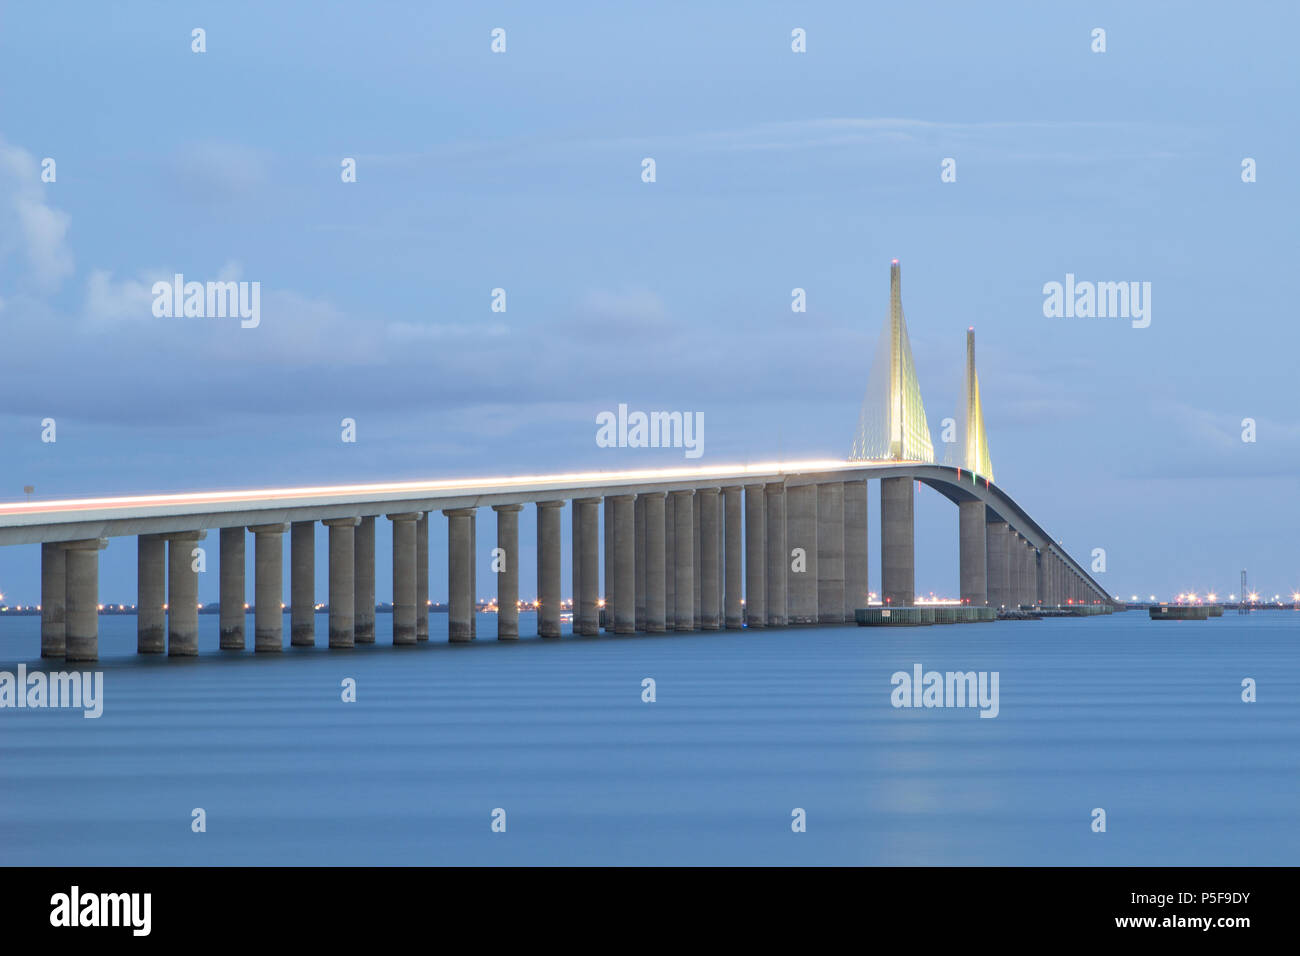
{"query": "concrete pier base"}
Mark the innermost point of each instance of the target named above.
(268, 587)
(460, 594)
(856, 560)
(830, 553)
(363, 566)
(638, 559)
(234, 603)
(997, 538)
(508, 576)
(302, 584)
(778, 556)
(182, 594)
(586, 610)
(404, 577)
(897, 542)
(972, 519)
(755, 556)
(670, 562)
(54, 595)
(548, 568)
(656, 564)
(733, 584)
(151, 594)
(684, 560)
(623, 613)
(422, 577)
(81, 598)
(709, 502)
(342, 581)
(801, 534)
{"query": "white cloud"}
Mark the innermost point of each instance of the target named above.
(28, 225)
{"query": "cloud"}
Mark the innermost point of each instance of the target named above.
(219, 171)
(28, 225)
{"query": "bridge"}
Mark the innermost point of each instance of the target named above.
(681, 549)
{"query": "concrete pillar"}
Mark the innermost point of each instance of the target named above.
(508, 576)
(1015, 568)
(856, 561)
(733, 588)
(54, 590)
(684, 562)
(755, 556)
(268, 587)
(801, 533)
(709, 503)
(830, 553)
(182, 594)
(610, 590)
(586, 609)
(972, 518)
(422, 577)
(404, 577)
(363, 567)
(1026, 573)
(151, 586)
(996, 540)
(302, 584)
(623, 613)
(342, 581)
(897, 542)
(473, 575)
(548, 568)
(81, 598)
(670, 562)
(234, 604)
(778, 556)
(697, 563)
(460, 594)
(638, 558)
(1039, 588)
(656, 592)
(575, 586)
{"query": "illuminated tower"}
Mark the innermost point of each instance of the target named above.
(975, 446)
(892, 424)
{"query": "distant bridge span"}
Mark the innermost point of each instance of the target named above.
(681, 546)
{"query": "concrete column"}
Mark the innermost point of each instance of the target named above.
(623, 613)
(639, 559)
(234, 605)
(996, 539)
(302, 584)
(1015, 568)
(697, 562)
(54, 590)
(856, 560)
(473, 575)
(755, 556)
(422, 577)
(342, 581)
(655, 563)
(268, 587)
(830, 553)
(1039, 589)
(684, 563)
(404, 577)
(508, 576)
(151, 585)
(182, 595)
(364, 569)
(972, 517)
(548, 568)
(709, 505)
(586, 610)
(897, 542)
(670, 562)
(575, 586)
(733, 588)
(1026, 592)
(778, 556)
(611, 586)
(460, 594)
(801, 533)
(81, 598)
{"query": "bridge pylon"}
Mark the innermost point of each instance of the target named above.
(974, 439)
(892, 425)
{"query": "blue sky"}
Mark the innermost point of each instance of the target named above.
(775, 170)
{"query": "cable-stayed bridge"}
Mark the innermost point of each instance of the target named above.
(683, 549)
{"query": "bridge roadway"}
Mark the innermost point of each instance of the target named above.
(674, 553)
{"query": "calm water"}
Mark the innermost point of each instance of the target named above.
(1141, 718)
